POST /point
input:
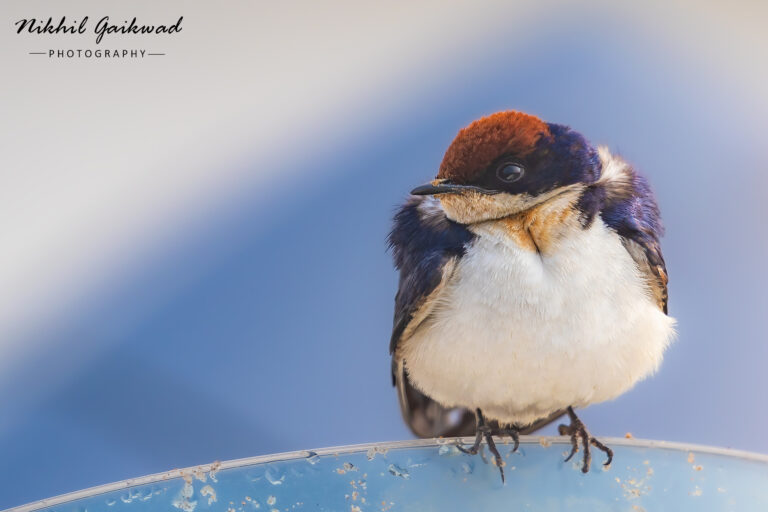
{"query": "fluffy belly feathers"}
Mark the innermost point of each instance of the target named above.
(520, 333)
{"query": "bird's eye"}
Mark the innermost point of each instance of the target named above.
(509, 173)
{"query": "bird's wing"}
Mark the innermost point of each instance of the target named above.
(648, 257)
(426, 246)
(424, 416)
(629, 207)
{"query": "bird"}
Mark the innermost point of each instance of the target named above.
(531, 284)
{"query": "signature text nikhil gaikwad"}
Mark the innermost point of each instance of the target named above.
(103, 27)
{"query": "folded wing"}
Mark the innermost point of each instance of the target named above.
(426, 246)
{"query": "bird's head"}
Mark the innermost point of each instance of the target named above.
(507, 163)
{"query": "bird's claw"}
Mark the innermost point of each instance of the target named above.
(475, 449)
(484, 431)
(577, 430)
(514, 434)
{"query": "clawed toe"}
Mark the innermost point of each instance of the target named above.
(474, 450)
(514, 434)
(484, 431)
(576, 430)
(600, 446)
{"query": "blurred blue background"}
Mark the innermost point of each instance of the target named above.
(254, 317)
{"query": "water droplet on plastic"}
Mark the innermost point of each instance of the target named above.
(313, 458)
(111, 501)
(447, 449)
(274, 476)
(398, 471)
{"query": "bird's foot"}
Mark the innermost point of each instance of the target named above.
(484, 431)
(577, 430)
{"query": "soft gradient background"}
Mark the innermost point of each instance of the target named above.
(192, 255)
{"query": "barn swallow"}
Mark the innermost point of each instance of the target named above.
(531, 283)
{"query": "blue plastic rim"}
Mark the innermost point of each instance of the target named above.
(433, 475)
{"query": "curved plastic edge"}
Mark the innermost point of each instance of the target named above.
(338, 450)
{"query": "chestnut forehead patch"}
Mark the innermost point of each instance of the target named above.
(483, 141)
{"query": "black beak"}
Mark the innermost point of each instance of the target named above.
(446, 187)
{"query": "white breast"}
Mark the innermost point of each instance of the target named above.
(520, 335)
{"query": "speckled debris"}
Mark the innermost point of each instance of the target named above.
(183, 501)
(635, 487)
(214, 470)
(371, 453)
(210, 492)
